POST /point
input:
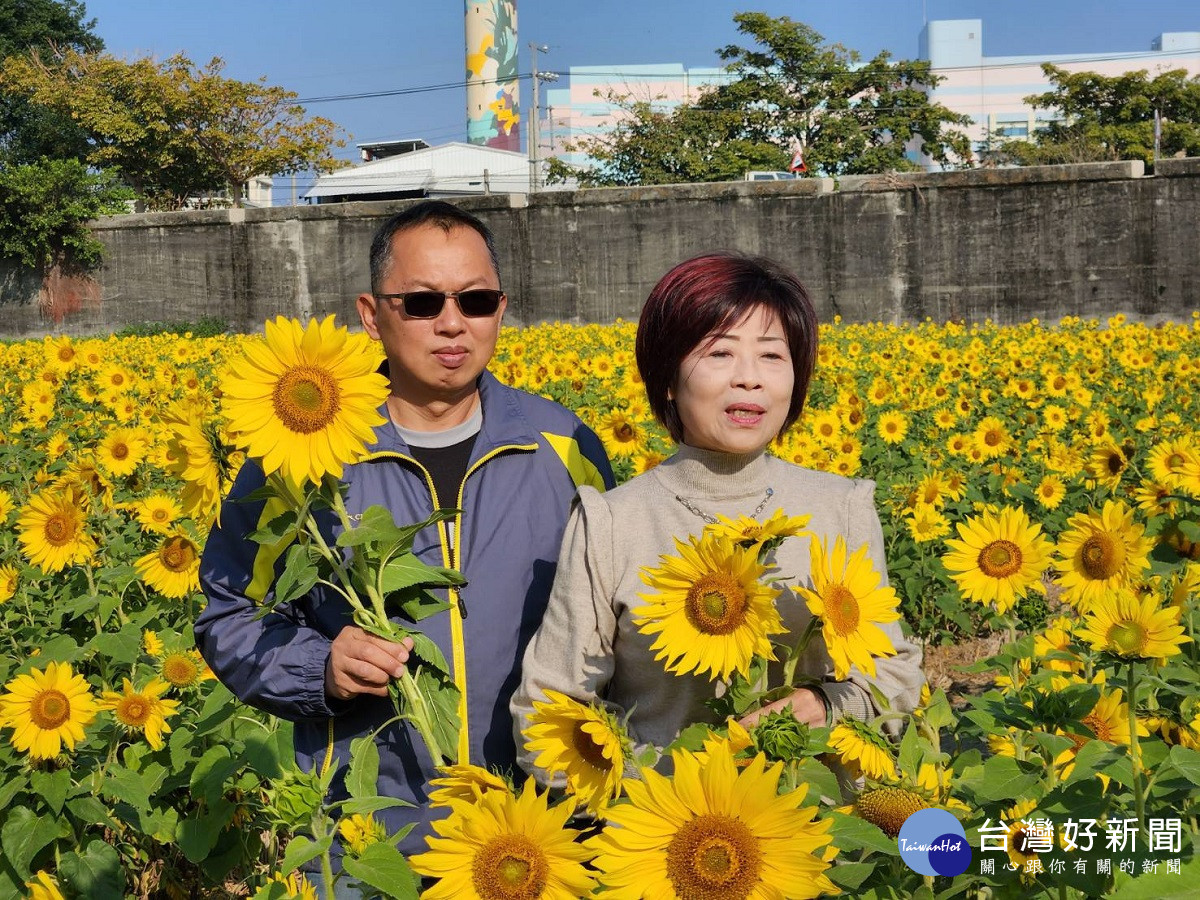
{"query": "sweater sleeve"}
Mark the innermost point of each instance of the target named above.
(898, 678)
(572, 650)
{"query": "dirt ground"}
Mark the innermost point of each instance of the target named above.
(944, 666)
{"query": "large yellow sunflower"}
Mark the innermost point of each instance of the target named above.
(750, 532)
(1108, 722)
(1099, 553)
(53, 531)
(1124, 624)
(506, 846)
(157, 512)
(711, 612)
(174, 568)
(47, 710)
(584, 743)
(142, 710)
(851, 604)
(185, 668)
(1168, 461)
(713, 832)
(999, 558)
(464, 782)
(305, 402)
(120, 451)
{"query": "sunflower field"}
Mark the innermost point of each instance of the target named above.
(1039, 483)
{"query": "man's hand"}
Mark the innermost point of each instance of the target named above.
(808, 707)
(361, 663)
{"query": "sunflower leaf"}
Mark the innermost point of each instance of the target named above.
(363, 778)
(407, 570)
(95, 871)
(365, 805)
(300, 850)
(427, 650)
(1186, 762)
(299, 575)
(384, 868)
(25, 833)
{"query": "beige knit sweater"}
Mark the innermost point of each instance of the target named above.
(588, 647)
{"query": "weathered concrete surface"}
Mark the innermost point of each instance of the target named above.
(1005, 244)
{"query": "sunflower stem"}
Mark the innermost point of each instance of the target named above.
(789, 665)
(1139, 796)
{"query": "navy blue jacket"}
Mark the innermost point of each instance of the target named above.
(528, 460)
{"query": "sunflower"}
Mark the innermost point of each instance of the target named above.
(990, 438)
(184, 668)
(862, 750)
(306, 401)
(749, 533)
(711, 612)
(47, 710)
(1107, 464)
(847, 596)
(999, 558)
(1100, 553)
(152, 643)
(584, 743)
(826, 427)
(53, 533)
(464, 782)
(8, 583)
(1169, 460)
(713, 832)
(506, 846)
(120, 451)
(893, 426)
(157, 512)
(620, 434)
(1109, 722)
(174, 568)
(43, 887)
(888, 807)
(359, 832)
(1133, 627)
(1050, 491)
(142, 710)
(295, 885)
(1056, 638)
(925, 523)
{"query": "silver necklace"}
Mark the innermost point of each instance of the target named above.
(711, 519)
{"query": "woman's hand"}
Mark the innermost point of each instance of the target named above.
(806, 704)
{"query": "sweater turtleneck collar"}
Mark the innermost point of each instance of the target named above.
(694, 473)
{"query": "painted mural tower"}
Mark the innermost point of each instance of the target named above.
(493, 111)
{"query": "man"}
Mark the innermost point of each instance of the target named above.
(456, 438)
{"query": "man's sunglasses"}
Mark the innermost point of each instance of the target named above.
(475, 303)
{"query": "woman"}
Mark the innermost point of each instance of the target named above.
(726, 346)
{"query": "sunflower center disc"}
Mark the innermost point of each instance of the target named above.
(713, 857)
(120, 451)
(509, 867)
(1099, 727)
(624, 432)
(59, 529)
(589, 749)
(179, 670)
(992, 438)
(1128, 637)
(1115, 464)
(134, 711)
(1000, 559)
(716, 604)
(49, 709)
(306, 399)
(177, 554)
(841, 609)
(1098, 556)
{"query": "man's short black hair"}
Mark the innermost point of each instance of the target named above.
(429, 212)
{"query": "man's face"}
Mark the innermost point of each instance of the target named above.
(434, 360)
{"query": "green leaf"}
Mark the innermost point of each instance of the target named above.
(418, 603)
(179, 745)
(1187, 762)
(377, 526)
(90, 811)
(363, 777)
(298, 577)
(93, 872)
(197, 836)
(384, 868)
(282, 526)
(850, 875)
(1092, 758)
(122, 784)
(124, 647)
(910, 750)
(301, 850)
(442, 698)
(53, 786)
(208, 777)
(820, 780)
(262, 752)
(426, 650)
(219, 706)
(853, 833)
(11, 788)
(367, 805)
(25, 833)
(1162, 885)
(1003, 780)
(406, 570)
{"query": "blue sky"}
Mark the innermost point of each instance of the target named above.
(322, 49)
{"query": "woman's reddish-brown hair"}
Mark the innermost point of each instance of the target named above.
(711, 293)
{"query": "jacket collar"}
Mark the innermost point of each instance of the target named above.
(504, 421)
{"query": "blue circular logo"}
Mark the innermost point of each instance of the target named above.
(932, 842)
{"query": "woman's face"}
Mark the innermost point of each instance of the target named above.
(733, 391)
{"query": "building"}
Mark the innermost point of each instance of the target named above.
(992, 89)
(400, 170)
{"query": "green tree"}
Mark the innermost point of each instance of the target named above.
(1111, 117)
(173, 130)
(29, 131)
(852, 117)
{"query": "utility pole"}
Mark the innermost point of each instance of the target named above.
(534, 50)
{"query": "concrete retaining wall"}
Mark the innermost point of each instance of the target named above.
(1006, 244)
